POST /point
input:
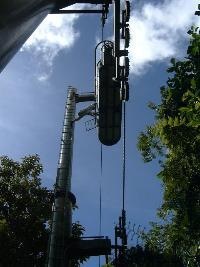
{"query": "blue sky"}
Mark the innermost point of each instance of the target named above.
(33, 92)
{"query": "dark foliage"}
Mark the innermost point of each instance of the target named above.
(25, 214)
(174, 139)
(25, 208)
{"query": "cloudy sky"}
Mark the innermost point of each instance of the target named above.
(33, 92)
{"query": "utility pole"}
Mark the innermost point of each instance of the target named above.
(62, 209)
(61, 229)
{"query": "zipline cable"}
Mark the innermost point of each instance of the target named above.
(123, 218)
(124, 156)
(102, 28)
(101, 159)
(100, 198)
(100, 194)
(124, 150)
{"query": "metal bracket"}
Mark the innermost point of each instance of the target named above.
(90, 110)
(198, 11)
(75, 11)
(95, 247)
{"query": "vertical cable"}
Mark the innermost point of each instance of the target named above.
(100, 199)
(100, 193)
(102, 34)
(100, 189)
(124, 155)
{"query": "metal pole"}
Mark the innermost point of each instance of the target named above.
(62, 212)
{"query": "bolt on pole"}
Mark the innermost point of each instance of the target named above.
(61, 228)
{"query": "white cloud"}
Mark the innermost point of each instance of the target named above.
(158, 29)
(55, 33)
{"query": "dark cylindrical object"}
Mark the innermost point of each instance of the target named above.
(108, 99)
(18, 20)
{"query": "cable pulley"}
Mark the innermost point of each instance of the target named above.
(105, 10)
(128, 11)
(127, 37)
(127, 66)
(125, 91)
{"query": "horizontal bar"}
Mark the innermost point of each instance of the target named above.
(85, 237)
(84, 11)
(116, 246)
(85, 97)
(95, 2)
(64, 3)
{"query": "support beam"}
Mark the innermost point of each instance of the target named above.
(85, 97)
(95, 2)
(76, 11)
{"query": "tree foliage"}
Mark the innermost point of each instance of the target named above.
(144, 256)
(174, 139)
(25, 208)
(25, 214)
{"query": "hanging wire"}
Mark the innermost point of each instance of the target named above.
(124, 146)
(102, 33)
(124, 156)
(124, 150)
(100, 186)
(100, 200)
(100, 194)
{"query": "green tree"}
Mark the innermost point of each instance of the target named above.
(25, 213)
(25, 208)
(139, 256)
(174, 139)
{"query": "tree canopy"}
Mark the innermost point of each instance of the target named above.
(25, 214)
(174, 139)
(25, 208)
